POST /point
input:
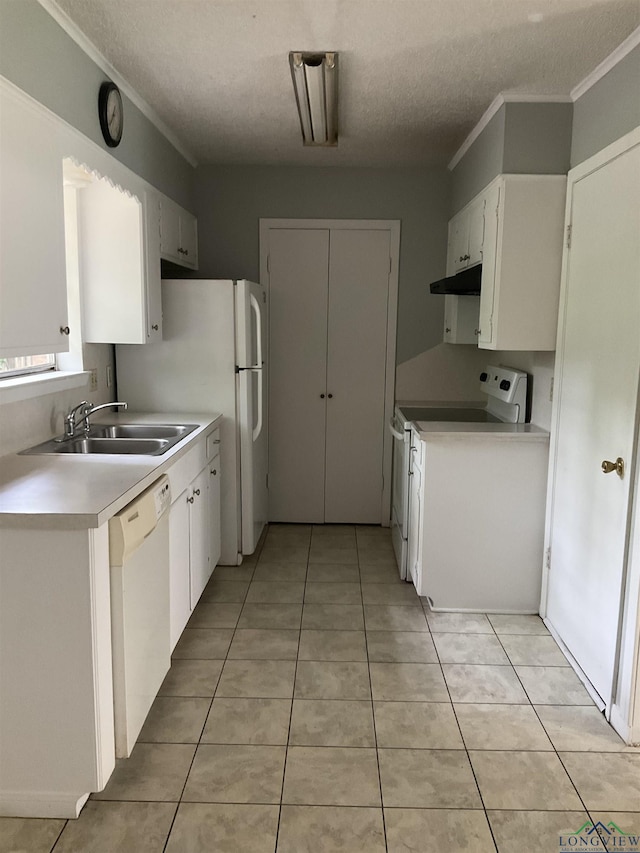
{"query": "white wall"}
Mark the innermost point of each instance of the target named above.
(445, 373)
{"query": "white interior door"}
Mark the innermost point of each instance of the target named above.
(597, 393)
(356, 357)
(298, 287)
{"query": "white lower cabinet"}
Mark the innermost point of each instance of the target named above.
(416, 496)
(476, 520)
(199, 546)
(194, 532)
(215, 534)
(57, 722)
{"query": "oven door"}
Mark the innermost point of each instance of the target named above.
(400, 494)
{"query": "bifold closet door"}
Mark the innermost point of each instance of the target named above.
(298, 285)
(356, 375)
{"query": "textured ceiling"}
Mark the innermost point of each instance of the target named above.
(415, 75)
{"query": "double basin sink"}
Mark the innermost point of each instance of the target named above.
(116, 439)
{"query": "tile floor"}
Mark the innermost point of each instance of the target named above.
(314, 705)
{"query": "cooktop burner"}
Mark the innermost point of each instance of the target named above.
(459, 415)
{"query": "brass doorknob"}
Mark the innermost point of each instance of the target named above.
(617, 466)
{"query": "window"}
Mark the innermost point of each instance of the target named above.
(21, 364)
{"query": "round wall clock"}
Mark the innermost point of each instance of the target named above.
(111, 113)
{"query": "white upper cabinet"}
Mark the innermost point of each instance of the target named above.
(461, 319)
(178, 234)
(464, 249)
(120, 265)
(522, 257)
(466, 231)
(33, 289)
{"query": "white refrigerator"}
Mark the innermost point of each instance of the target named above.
(213, 359)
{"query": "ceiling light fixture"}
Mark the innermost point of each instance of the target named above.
(315, 80)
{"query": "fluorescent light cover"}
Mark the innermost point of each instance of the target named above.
(315, 80)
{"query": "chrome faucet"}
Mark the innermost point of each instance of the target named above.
(85, 410)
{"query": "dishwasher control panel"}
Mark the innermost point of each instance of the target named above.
(162, 497)
(133, 524)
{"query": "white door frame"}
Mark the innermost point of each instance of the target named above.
(393, 227)
(623, 708)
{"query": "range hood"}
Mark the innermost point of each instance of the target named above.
(464, 283)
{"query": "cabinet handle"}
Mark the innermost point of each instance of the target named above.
(447, 331)
(322, 396)
(155, 327)
(465, 258)
(330, 396)
(182, 251)
(213, 471)
(64, 330)
(190, 500)
(196, 491)
(477, 332)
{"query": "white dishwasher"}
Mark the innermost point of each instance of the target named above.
(139, 558)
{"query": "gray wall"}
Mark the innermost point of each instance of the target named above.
(608, 110)
(537, 139)
(42, 60)
(480, 164)
(231, 200)
(521, 138)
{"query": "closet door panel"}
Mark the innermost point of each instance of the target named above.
(298, 275)
(356, 365)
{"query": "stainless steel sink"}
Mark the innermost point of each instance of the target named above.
(117, 439)
(146, 446)
(169, 431)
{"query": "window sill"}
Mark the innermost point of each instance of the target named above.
(37, 385)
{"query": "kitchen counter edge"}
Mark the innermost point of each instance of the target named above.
(117, 479)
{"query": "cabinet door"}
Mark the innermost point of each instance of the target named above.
(461, 319)
(188, 248)
(214, 513)
(112, 264)
(33, 283)
(414, 537)
(460, 240)
(199, 534)
(527, 267)
(451, 247)
(153, 275)
(179, 585)
(169, 230)
(489, 264)
(476, 231)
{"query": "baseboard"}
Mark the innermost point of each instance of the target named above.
(41, 804)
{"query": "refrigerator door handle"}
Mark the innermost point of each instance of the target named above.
(255, 306)
(258, 427)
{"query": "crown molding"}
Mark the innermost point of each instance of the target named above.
(494, 106)
(75, 33)
(607, 64)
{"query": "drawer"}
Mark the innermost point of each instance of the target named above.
(213, 444)
(187, 468)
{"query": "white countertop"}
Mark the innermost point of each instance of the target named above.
(70, 491)
(480, 431)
